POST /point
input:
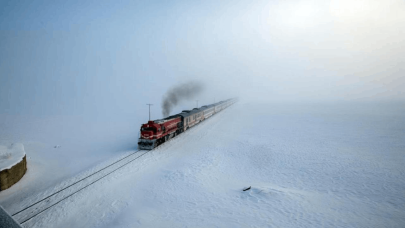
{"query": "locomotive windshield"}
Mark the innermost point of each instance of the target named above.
(148, 129)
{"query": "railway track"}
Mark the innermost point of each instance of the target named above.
(29, 212)
(24, 215)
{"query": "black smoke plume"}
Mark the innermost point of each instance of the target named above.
(176, 94)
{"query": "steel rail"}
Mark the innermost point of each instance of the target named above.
(83, 188)
(16, 213)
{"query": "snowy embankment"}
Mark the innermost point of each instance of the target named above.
(62, 147)
(308, 166)
(11, 155)
(13, 165)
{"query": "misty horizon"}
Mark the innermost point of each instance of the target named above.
(111, 58)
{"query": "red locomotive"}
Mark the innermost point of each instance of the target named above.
(157, 132)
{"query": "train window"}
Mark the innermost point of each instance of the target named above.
(148, 129)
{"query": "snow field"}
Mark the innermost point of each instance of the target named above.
(311, 166)
(302, 175)
(84, 143)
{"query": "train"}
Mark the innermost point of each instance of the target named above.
(156, 132)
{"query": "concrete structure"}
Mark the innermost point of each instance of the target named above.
(13, 164)
(9, 177)
(6, 220)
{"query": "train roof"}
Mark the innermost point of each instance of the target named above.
(208, 106)
(159, 121)
(187, 113)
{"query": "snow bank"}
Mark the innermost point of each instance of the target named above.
(11, 155)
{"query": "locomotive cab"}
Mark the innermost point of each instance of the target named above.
(149, 130)
(148, 135)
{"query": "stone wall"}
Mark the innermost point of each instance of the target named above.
(8, 177)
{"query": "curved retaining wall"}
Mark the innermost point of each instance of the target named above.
(8, 177)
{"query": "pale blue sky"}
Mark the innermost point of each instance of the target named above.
(76, 57)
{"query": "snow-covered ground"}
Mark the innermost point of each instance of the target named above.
(11, 155)
(60, 147)
(319, 165)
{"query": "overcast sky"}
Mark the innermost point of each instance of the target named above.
(75, 57)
